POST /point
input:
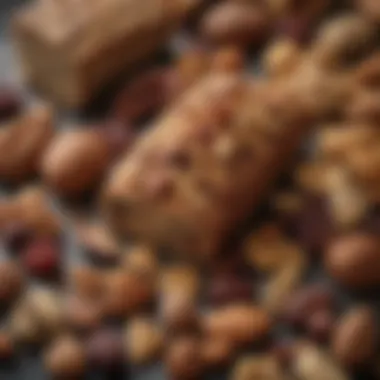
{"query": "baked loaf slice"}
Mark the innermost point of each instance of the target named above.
(207, 162)
(71, 48)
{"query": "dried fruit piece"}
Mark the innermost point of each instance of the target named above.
(105, 349)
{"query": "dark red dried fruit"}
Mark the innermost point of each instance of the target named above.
(224, 289)
(105, 349)
(41, 258)
(320, 325)
(10, 103)
(16, 236)
(306, 302)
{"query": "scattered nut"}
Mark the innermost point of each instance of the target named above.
(183, 358)
(125, 293)
(257, 367)
(143, 340)
(239, 24)
(311, 363)
(355, 338)
(23, 142)
(75, 162)
(65, 358)
(239, 324)
(105, 349)
(11, 284)
(354, 260)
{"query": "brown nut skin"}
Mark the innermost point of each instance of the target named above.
(75, 162)
(183, 359)
(240, 24)
(240, 324)
(353, 260)
(12, 282)
(354, 340)
(65, 358)
(23, 142)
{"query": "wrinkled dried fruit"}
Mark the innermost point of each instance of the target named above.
(305, 302)
(105, 349)
(65, 358)
(354, 340)
(239, 324)
(183, 358)
(16, 236)
(75, 162)
(353, 260)
(143, 340)
(41, 258)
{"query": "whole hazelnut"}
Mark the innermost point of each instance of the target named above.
(12, 282)
(105, 349)
(41, 258)
(354, 340)
(143, 340)
(75, 162)
(183, 359)
(354, 260)
(305, 302)
(65, 358)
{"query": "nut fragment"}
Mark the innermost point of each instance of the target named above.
(75, 162)
(310, 363)
(126, 292)
(355, 338)
(239, 324)
(354, 260)
(11, 284)
(23, 142)
(143, 340)
(239, 24)
(258, 367)
(183, 358)
(65, 358)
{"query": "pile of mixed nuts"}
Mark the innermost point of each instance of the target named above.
(294, 298)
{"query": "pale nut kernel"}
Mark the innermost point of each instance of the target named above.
(354, 339)
(75, 162)
(65, 358)
(257, 366)
(239, 324)
(281, 58)
(143, 340)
